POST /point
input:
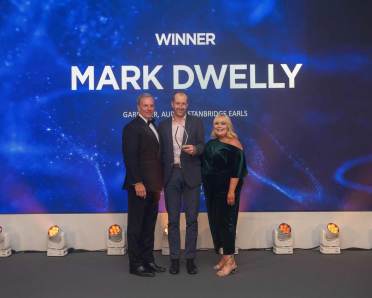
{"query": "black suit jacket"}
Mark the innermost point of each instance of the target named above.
(141, 152)
(191, 168)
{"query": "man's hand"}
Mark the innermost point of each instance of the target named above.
(231, 198)
(140, 190)
(189, 149)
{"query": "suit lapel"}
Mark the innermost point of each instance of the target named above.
(148, 129)
(152, 133)
(170, 135)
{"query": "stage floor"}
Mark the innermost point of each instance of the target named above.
(307, 273)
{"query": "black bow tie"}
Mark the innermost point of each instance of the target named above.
(151, 121)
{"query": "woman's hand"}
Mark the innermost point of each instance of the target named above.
(140, 190)
(231, 198)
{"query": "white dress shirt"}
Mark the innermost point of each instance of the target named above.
(179, 127)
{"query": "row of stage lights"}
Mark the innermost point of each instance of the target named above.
(57, 245)
(329, 239)
(116, 242)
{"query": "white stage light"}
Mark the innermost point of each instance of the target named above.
(116, 244)
(5, 250)
(56, 242)
(165, 243)
(283, 239)
(330, 239)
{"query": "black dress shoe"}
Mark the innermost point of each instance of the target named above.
(141, 271)
(175, 266)
(191, 267)
(154, 268)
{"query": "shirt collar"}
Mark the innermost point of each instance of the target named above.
(143, 118)
(184, 118)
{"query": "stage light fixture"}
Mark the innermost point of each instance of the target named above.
(283, 239)
(330, 239)
(165, 242)
(5, 250)
(56, 242)
(116, 244)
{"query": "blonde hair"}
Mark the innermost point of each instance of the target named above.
(231, 134)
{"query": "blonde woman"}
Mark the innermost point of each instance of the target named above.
(223, 170)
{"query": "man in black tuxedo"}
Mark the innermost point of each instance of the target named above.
(143, 182)
(182, 139)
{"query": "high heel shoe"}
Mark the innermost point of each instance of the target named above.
(220, 264)
(230, 267)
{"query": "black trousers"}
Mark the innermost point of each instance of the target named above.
(142, 215)
(221, 216)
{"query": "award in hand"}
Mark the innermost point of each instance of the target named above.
(181, 136)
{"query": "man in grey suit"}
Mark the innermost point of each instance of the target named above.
(182, 143)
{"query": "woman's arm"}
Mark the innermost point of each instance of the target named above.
(231, 192)
(233, 180)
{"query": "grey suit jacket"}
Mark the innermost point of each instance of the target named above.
(191, 165)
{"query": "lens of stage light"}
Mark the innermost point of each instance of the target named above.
(53, 232)
(332, 231)
(284, 231)
(166, 231)
(115, 233)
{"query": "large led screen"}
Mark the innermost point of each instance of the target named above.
(295, 77)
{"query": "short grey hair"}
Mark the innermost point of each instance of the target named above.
(142, 96)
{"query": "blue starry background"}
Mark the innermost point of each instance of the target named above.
(307, 148)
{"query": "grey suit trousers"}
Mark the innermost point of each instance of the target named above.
(176, 193)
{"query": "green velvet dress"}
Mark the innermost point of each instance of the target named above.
(221, 162)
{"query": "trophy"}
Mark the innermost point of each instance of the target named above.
(178, 136)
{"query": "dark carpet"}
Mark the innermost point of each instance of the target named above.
(307, 273)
